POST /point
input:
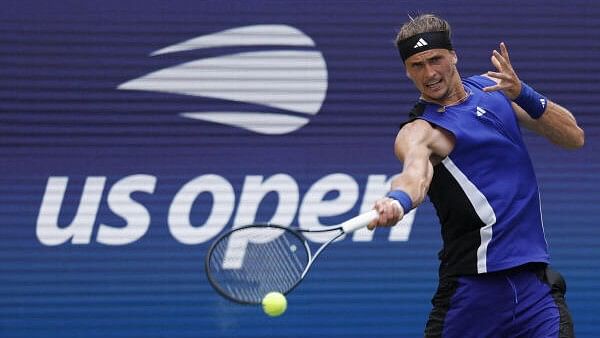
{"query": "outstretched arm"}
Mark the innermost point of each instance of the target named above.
(413, 148)
(556, 123)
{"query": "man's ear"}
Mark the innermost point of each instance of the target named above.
(454, 57)
(408, 75)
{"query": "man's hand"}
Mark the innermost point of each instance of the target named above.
(390, 213)
(508, 81)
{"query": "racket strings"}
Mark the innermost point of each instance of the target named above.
(254, 261)
(292, 264)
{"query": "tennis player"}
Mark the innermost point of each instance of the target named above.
(462, 145)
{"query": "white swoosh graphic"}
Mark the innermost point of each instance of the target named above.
(263, 123)
(291, 80)
(266, 35)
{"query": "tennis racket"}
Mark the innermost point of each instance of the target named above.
(246, 263)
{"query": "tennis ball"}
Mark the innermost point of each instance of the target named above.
(274, 304)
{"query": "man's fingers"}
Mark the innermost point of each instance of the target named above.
(501, 76)
(397, 210)
(500, 58)
(388, 212)
(509, 82)
(372, 225)
(504, 51)
(375, 222)
(496, 63)
(492, 88)
(504, 61)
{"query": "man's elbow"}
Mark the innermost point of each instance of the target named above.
(577, 140)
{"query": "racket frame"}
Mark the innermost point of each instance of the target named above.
(346, 227)
(225, 236)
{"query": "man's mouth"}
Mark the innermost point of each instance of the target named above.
(432, 84)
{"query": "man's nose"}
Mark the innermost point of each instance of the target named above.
(429, 71)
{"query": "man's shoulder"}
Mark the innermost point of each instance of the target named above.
(416, 126)
(417, 132)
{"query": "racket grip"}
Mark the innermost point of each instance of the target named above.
(359, 221)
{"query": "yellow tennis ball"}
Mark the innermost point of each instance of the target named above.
(274, 304)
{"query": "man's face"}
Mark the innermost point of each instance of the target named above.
(434, 73)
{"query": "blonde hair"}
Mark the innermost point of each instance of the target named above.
(423, 23)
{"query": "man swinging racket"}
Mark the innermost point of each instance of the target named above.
(463, 147)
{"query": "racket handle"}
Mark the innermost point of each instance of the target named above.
(359, 221)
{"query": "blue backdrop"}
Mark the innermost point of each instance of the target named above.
(133, 133)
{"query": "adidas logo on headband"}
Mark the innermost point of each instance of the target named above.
(421, 43)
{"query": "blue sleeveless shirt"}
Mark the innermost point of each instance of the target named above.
(485, 191)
